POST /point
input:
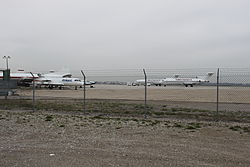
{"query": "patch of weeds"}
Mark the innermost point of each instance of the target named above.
(139, 106)
(150, 107)
(142, 107)
(165, 109)
(177, 125)
(97, 117)
(192, 110)
(186, 109)
(174, 109)
(62, 126)
(246, 129)
(99, 125)
(21, 120)
(136, 120)
(159, 113)
(193, 125)
(127, 112)
(240, 129)
(154, 123)
(95, 110)
(235, 128)
(48, 118)
(190, 127)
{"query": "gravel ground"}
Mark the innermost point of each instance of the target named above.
(66, 139)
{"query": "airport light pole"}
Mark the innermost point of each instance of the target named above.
(7, 61)
(7, 64)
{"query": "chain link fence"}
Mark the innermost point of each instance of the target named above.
(127, 93)
(6, 87)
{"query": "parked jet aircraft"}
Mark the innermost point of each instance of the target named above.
(175, 81)
(51, 79)
(54, 80)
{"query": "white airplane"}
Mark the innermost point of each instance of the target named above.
(23, 78)
(54, 80)
(176, 81)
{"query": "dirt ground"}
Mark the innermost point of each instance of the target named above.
(170, 93)
(201, 97)
(61, 139)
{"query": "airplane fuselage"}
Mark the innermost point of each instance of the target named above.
(175, 81)
(19, 76)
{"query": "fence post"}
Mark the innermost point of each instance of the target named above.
(33, 99)
(217, 95)
(84, 91)
(6, 77)
(145, 98)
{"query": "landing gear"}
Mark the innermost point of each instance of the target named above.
(191, 85)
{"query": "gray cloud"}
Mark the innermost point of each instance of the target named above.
(45, 34)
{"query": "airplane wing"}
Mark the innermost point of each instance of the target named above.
(56, 84)
(50, 82)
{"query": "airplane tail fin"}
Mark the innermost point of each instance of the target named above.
(210, 74)
(206, 77)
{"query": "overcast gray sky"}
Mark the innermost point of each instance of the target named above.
(115, 34)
